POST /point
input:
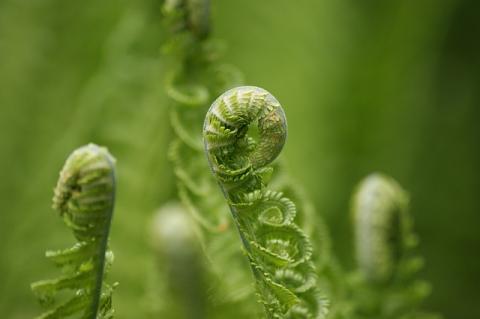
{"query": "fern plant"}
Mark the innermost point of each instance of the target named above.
(181, 274)
(278, 250)
(84, 197)
(385, 285)
(198, 74)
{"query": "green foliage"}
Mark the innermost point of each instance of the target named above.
(278, 250)
(84, 197)
(385, 284)
(196, 75)
(366, 85)
(181, 275)
(381, 229)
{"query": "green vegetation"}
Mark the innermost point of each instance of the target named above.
(278, 250)
(385, 284)
(84, 197)
(368, 86)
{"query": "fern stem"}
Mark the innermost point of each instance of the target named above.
(103, 247)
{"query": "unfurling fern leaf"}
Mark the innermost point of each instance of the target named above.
(386, 284)
(84, 197)
(379, 213)
(181, 276)
(196, 75)
(278, 250)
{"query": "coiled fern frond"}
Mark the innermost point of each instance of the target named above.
(84, 197)
(381, 227)
(278, 250)
(196, 75)
(385, 285)
(181, 276)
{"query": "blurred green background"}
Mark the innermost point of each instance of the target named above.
(368, 85)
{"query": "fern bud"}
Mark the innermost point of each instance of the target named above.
(379, 208)
(85, 191)
(84, 197)
(181, 263)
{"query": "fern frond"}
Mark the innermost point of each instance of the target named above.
(193, 15)
(84, 197)
(180, 265)
(385, 285)
(380, 221)
(197, 74)
(278, 250)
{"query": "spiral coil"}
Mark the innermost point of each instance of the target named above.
(84, 197)
(379, 217)
(278, 250)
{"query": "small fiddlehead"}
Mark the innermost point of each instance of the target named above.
(379, 208)
(181, 267)
(384, 240)
(278, 250)
(84, 197)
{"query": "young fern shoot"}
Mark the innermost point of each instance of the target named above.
(199, 74)
(181, 267)
(384, 239)
(379, 213)
(196, 74)
(84, 197)
(278, 250)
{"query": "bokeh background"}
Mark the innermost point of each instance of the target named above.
(372, 85)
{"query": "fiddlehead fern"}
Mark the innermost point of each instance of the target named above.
(279, 252)
(379, 213)
(196, 75)
(181, 268)
(84, 197)
(386, 286)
